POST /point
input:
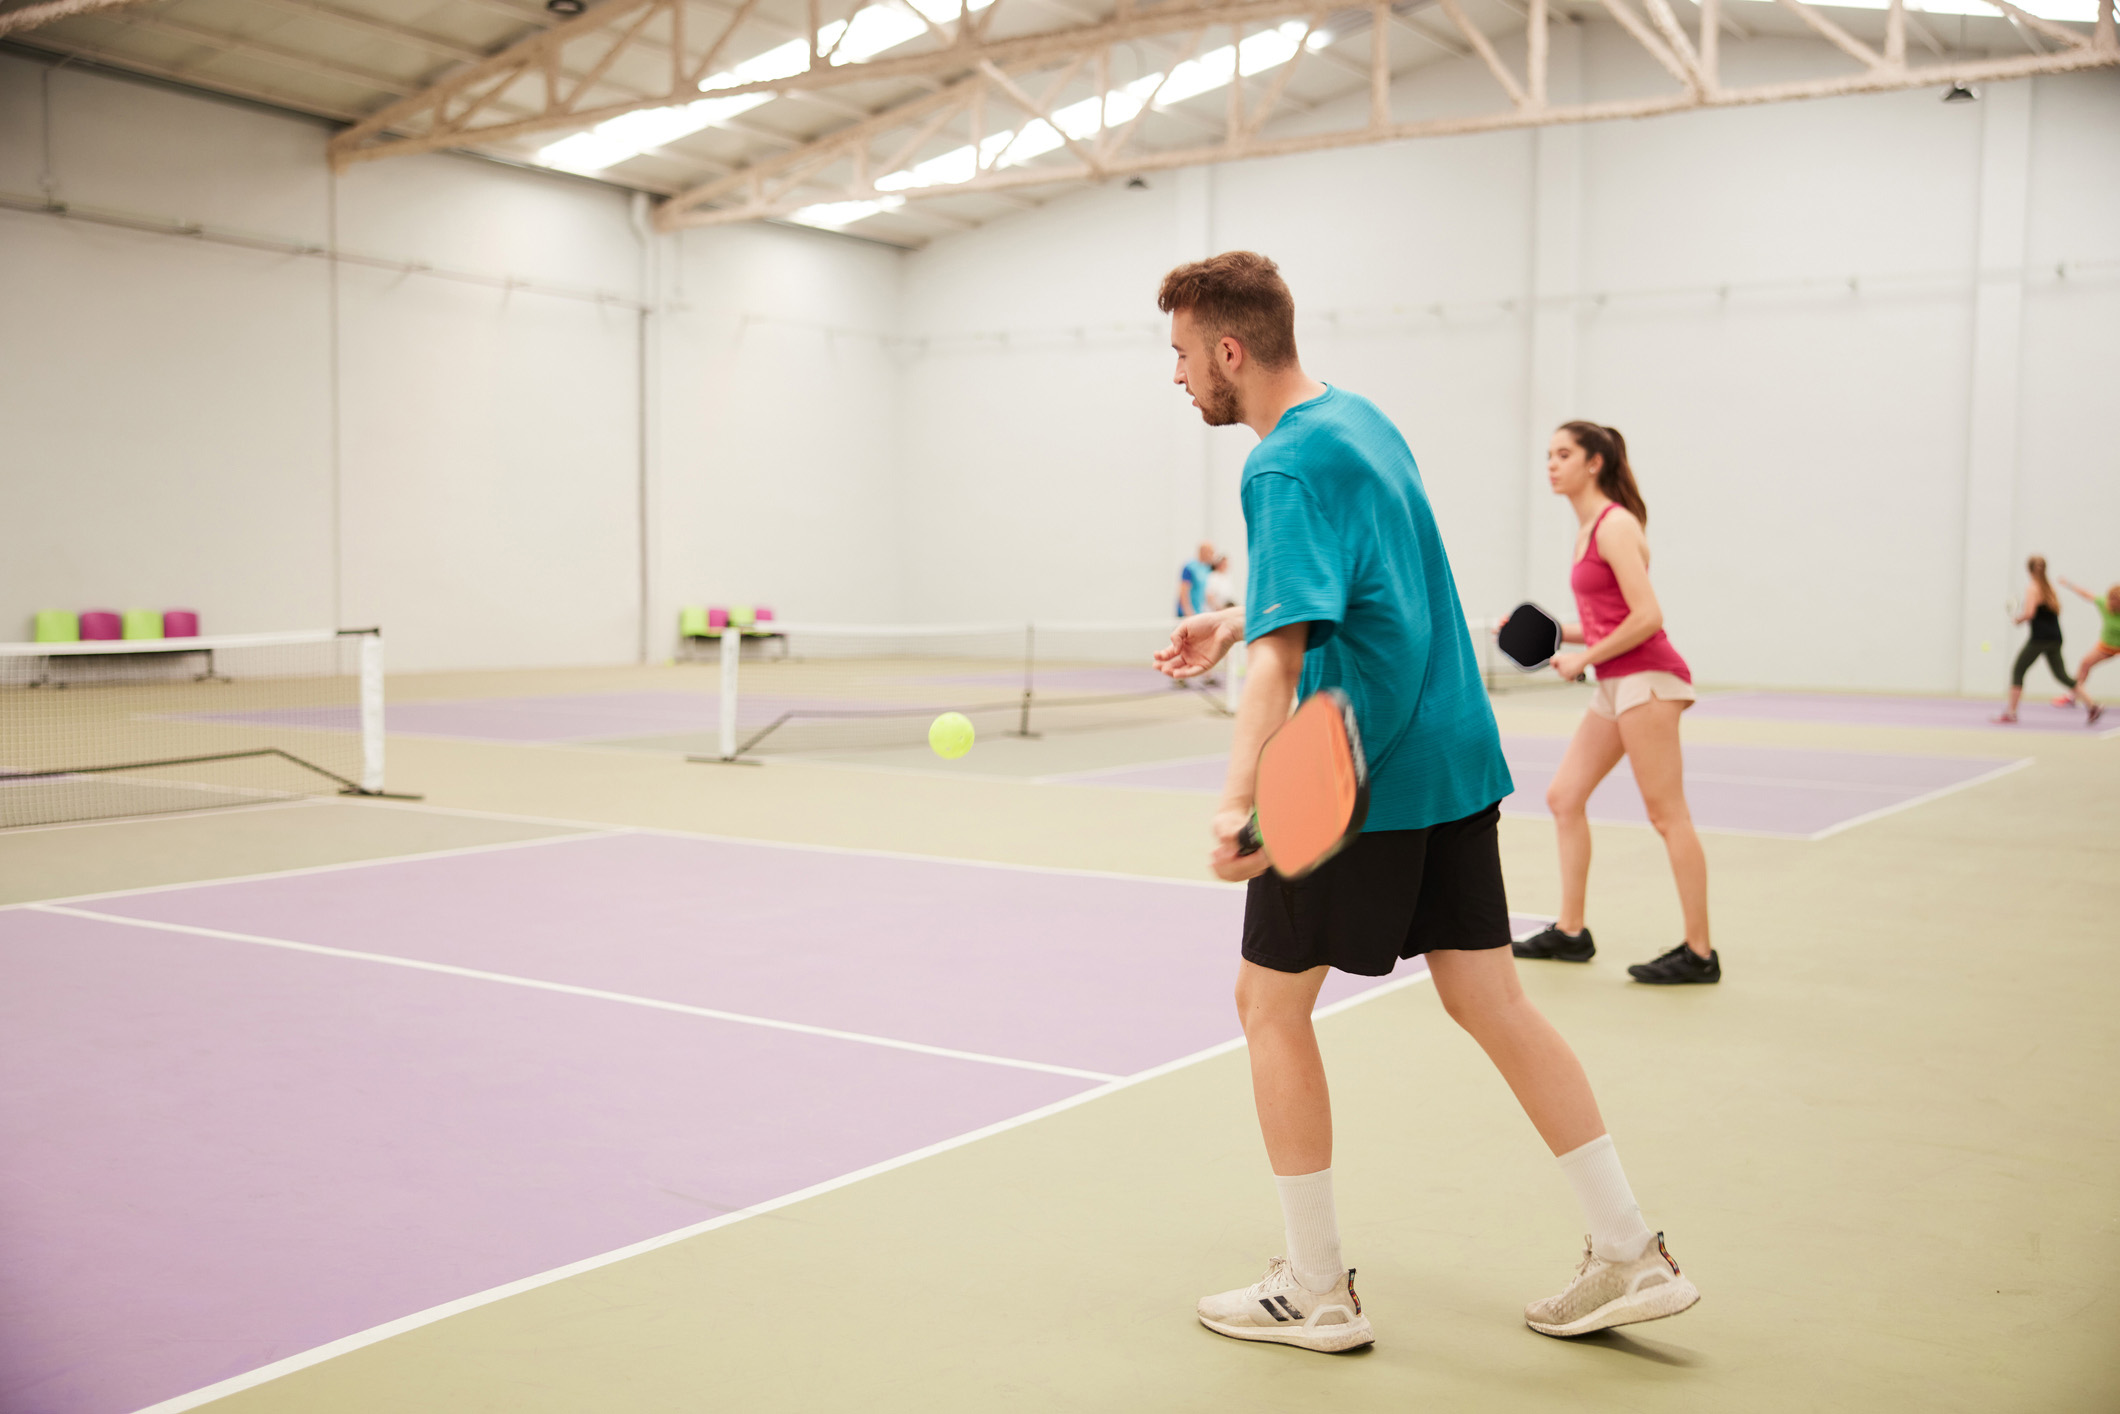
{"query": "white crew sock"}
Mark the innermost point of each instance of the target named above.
(1617, 1232)
(1313, 1228)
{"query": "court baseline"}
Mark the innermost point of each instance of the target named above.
(1776, 792)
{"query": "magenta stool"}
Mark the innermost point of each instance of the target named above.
(180, 623)
(101, 623)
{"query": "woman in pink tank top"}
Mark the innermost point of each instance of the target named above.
(1642, 687)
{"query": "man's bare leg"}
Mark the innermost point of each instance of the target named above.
(1287, 1073)
(1295, 1113)
(1307, 1300)
(1627, 1276)
(1481, 993)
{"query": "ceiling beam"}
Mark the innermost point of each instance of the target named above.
(769, 189)
(434, 119)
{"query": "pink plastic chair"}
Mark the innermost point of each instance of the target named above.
(717, 618)
(765, 615)
(180, 623)
(101, 623)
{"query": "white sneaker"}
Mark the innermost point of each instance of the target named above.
(1277, 1307)
(1607, 1294)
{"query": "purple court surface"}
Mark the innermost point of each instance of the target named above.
(1863, 710)
(1759, 790)
(229, 1143)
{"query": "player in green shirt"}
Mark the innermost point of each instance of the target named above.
(2107, 646)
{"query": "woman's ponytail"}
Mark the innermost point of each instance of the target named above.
(1616, 477)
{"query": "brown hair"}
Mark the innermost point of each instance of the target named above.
(1616, 477)
(2037, 565)
(1238, 294)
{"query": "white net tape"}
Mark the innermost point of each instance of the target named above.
(142, 726)
(796, 687)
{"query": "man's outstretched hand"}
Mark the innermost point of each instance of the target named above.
(1200, 642)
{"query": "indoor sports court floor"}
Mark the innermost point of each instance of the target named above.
(599, 1080)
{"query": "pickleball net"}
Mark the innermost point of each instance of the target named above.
(98, 730)
(793, 688)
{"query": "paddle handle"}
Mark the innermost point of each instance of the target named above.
(1248, 841)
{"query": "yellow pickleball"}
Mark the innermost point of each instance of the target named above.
(950, 735)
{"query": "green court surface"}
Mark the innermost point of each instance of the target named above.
(1884, 1147)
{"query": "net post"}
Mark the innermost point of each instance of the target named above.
(372, 713)
(731, 648)
(1030, 661)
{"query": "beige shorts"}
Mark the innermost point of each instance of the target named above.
(1623, 694)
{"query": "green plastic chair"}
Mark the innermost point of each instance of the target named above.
(743, 616)
(692, 622)
(142, 623)
(58, 626)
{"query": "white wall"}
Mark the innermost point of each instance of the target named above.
(986, 427)
(490, 438)
(445, 434)
(1047, 471)
(779, 414)
(166, 402)
(1803, 442)
(2068, 484)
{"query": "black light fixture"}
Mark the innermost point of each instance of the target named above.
(565, 7)
(1960, 93)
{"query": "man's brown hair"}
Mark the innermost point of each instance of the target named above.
(1240, 294)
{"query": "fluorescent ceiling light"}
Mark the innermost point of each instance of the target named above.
(872, 31)
(1080, 121)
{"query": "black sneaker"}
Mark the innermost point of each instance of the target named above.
(1677, 967)
(1552, 945)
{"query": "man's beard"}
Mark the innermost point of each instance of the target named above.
(1218, 400)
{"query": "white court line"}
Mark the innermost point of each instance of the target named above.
(1908, 804)
(584, 830)
(1606, 821)
(569, 989)
(1793, 781)
(152, 816)
(857, 850)
(265, 1374)
(456, 851)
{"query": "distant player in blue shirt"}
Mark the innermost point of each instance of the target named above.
(1192, 581)
(1351, 588)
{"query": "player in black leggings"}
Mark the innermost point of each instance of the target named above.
(2042, 610)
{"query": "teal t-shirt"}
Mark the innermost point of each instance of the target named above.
(1341, 537)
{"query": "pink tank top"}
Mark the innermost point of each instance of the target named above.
(1601, 606)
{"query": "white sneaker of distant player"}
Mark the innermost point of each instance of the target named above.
(1279, 1308)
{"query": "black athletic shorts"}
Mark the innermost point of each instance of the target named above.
(1389, 894)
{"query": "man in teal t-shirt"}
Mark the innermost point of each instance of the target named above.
(1350, 588)
(1385, 624)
